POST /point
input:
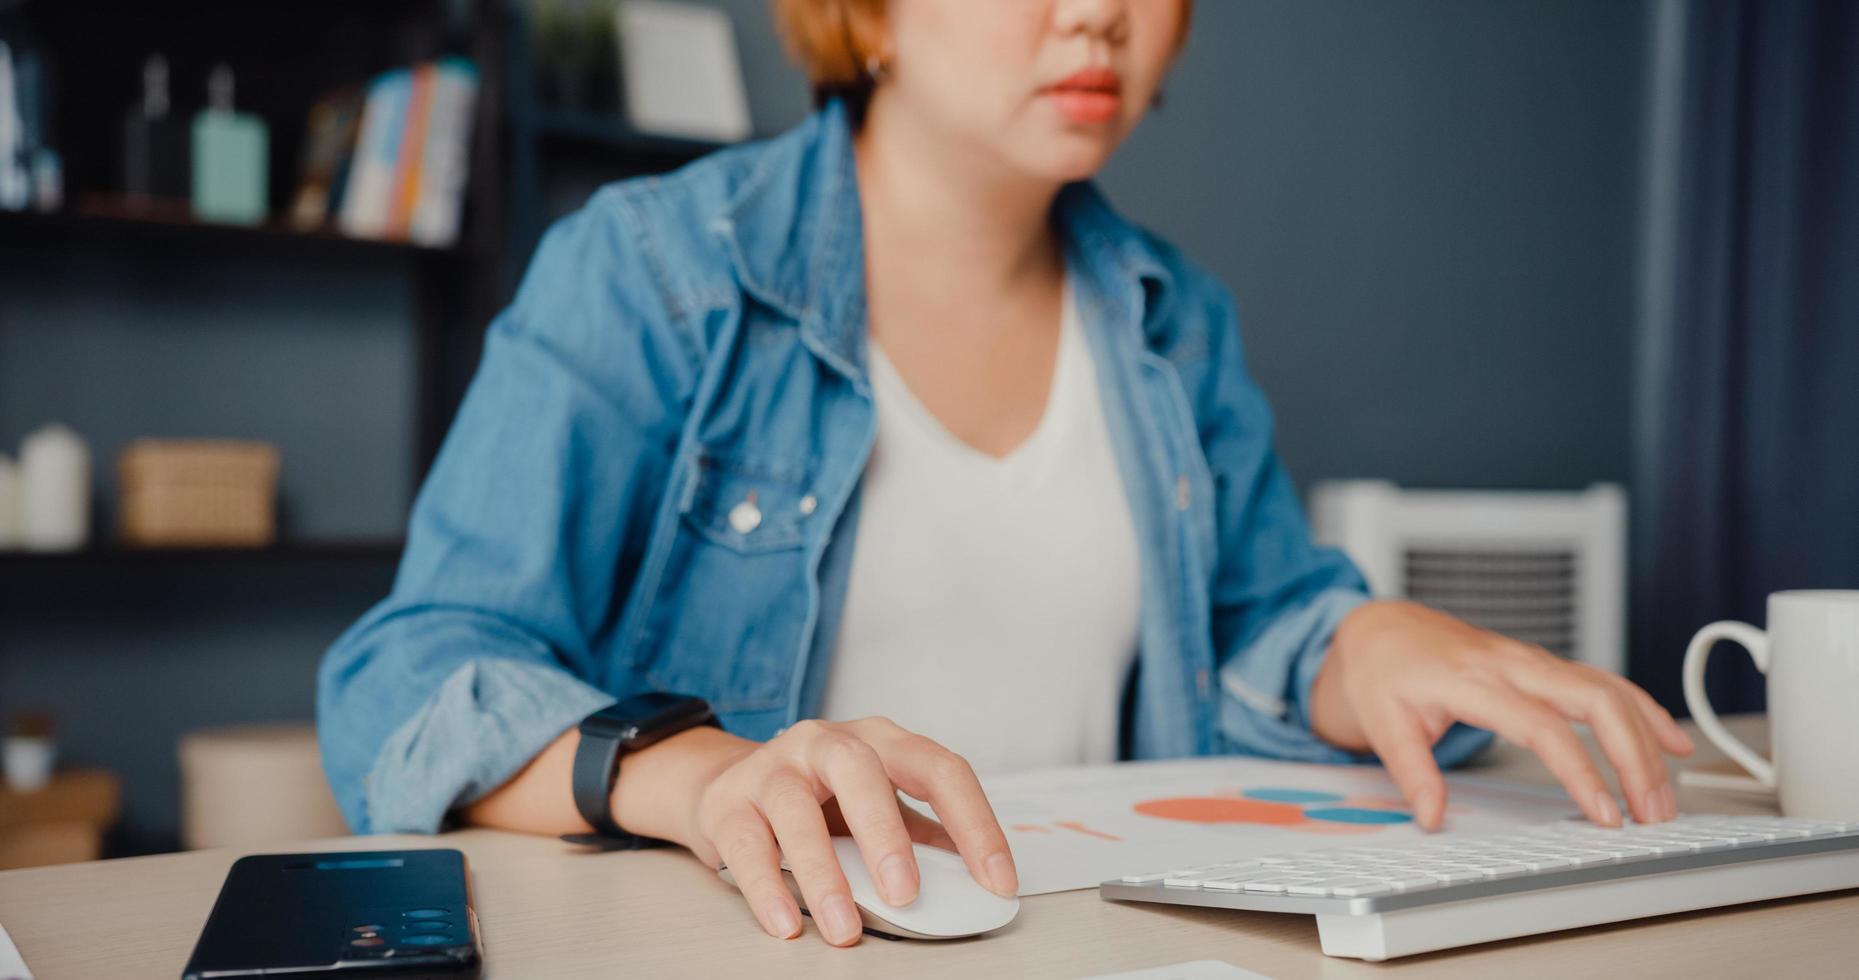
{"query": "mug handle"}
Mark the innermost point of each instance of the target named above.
(1757, 643)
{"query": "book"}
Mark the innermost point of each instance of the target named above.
(329, 143)
(411, 161)
(368, 197)
(438, 207)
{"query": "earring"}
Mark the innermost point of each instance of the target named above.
(874, 68)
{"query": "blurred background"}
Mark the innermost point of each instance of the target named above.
(1552, 298)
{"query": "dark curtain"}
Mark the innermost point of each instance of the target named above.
(1751, 484)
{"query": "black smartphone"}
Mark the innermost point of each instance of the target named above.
(390, 914)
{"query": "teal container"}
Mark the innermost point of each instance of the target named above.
(231, 157)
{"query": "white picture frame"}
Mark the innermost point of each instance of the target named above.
(680, 71)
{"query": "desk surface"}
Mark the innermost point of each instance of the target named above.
(550, 912)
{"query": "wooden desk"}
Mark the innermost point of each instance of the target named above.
(548, 912)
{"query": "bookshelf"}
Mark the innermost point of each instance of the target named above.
(606, 132)
(125, 322)
(113, 557)
(102, 219)
(520, 149)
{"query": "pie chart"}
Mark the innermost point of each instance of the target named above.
(1293, 809)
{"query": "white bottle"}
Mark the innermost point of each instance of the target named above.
(54, 465)
(11, 515)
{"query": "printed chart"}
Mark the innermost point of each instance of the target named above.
(1072, 828)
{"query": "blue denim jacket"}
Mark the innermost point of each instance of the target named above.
(684, 342)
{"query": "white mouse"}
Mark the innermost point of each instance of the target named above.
(950, 903)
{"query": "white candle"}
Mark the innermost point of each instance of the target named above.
(28, 761)
(54, 465)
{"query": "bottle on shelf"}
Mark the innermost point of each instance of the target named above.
(15, 179)
(154, 142)
(11, 505)
(230, 158)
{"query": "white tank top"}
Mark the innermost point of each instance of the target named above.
(993, 603)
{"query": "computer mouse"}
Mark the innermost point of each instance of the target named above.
(950, 903)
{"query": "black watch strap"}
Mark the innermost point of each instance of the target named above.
(594, 772)
(606, 735)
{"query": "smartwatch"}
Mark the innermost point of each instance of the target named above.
(606, 734)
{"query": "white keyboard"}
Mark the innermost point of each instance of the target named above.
(1379, 902)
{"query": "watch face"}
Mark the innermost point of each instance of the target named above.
(647, 714)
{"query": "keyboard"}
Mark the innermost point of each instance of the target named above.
(1386, 901)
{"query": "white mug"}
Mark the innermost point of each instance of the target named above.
(1810, 655)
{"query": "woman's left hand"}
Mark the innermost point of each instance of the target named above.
(1399, 674)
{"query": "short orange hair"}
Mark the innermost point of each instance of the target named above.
(834, 41)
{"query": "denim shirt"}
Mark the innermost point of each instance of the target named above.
(688, 343)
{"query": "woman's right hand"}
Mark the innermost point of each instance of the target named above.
(818, 779)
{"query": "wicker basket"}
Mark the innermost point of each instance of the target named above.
(198, 493)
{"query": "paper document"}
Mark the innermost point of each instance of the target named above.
(1075, 827)
(12, 965)
(1197, 970)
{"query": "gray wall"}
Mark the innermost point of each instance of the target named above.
(122, 340)
(1427, 212)
(130, 341)
(1426, 209)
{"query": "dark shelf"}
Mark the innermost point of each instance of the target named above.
(168, 224)
(117, 557)
(611, 133)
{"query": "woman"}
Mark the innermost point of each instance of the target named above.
(892, 418)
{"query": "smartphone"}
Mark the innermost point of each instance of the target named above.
(390, 914)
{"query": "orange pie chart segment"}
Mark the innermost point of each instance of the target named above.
(1222, 809)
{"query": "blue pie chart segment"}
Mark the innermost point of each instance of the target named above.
(1350, 814)
(1292, 796)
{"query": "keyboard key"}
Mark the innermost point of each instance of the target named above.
(1779, 833)
(1232, 883)
(1193, 879)
(1411, 883)
(1276, 884)
(1789, 828)
(1358, 887)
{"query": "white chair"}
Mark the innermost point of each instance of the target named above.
(1545, 567)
